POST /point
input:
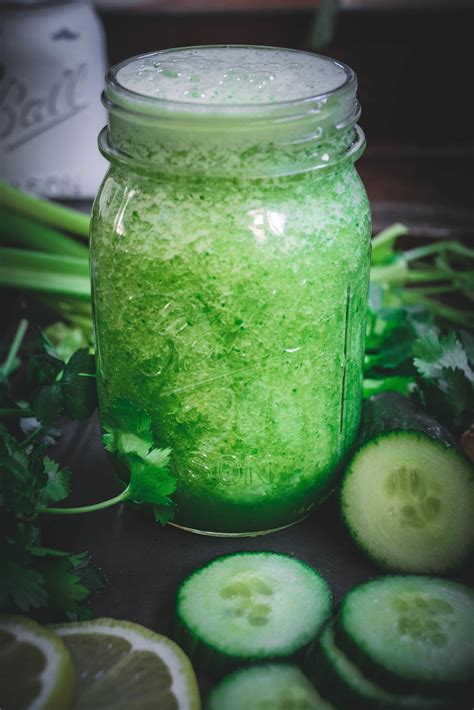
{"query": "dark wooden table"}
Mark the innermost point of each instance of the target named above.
(144, 563)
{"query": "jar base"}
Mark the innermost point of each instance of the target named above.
(257, 533)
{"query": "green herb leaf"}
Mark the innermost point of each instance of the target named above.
(20, 586)
(57, 486)
(78, 385)
(47, 403)
(446, 383)
(150, 480)
(433, 353)
(164, 514)
(73, 391)
(129, 436)
(128, 429)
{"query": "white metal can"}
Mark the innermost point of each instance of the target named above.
(52, 66)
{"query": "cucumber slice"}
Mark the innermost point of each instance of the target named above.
(342, 682)
(249, 607)
(411, 634)
(271, 687)
(408, 496)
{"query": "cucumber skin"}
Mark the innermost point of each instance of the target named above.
(209, 703)
(392, 413)
(332, 686)
(389, 411)
(214, 661)
(389, 680)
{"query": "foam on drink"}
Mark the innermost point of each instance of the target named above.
(231, 75)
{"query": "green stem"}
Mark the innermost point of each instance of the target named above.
(462, 317)
(13, 413)
(87, 508)
(389, 235)
(398, 274)
(48, 273)
(32, 436)
(426, 275)
(17, 230)
(15, 346)
(44, 211)
(436, 248)
(436, 290)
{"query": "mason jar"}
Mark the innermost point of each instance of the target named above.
(230, 266)
(52, 66)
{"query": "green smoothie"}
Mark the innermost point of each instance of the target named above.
(230, 291)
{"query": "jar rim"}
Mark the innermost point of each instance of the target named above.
(133, 100)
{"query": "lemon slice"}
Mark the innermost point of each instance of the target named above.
(36, 671)
(121, 665)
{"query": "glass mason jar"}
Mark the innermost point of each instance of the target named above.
(230, 266)
(52, 64)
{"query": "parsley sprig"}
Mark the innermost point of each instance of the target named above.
(32, 484)
(129, 436)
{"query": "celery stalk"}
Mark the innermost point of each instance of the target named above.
(16, 230)
(35, 271)
(44, 211)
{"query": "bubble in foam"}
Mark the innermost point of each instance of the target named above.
(231, 75)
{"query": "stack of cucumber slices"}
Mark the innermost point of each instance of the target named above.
(396, 642)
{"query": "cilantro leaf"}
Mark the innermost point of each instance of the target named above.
(44, 364)
(434, 352)
(73, 392)
(78, 385)
(128, 429)
(63, 586)
(47, 403)
(163, 513)
(446, 383)
(468, 342)
(57, 487)
(20, 586)
(150, 480)
(129, 436)
(20, 476)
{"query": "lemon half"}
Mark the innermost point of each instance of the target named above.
(122, 665)
(36, 671)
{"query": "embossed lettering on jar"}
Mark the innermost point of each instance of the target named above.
(230, 262)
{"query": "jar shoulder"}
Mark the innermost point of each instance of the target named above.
(129, 204)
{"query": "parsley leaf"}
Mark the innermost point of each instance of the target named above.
(150, 480)
(20, 586)
(47, 403)
(34, 578)
(128, 429)
(57, 486)
(73, 391)
(129, 435)
(433, 353)
(78, 385)
(446, 383)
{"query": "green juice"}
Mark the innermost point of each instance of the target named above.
(231, 304)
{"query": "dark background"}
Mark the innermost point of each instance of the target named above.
(415, 69)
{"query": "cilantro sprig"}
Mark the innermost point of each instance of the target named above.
(32, 484)
(411, 347)
(129, 435)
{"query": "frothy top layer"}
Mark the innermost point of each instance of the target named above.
(231, 75)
